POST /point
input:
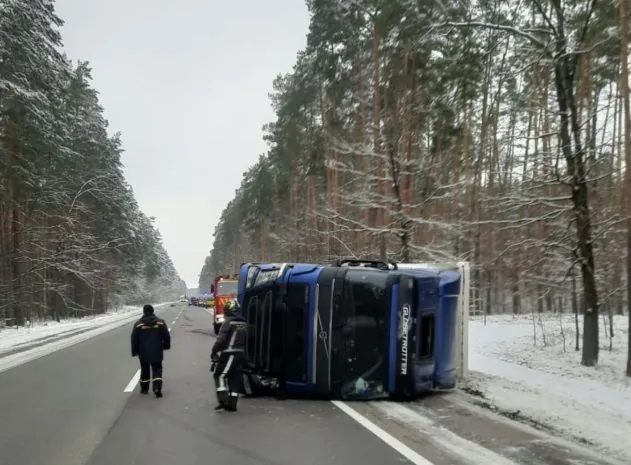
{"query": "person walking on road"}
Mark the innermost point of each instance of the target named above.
(227, 357)
(149, 339)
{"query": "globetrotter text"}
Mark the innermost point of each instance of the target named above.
(405, 320)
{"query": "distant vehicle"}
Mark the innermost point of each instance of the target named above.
(354, 329)
(205, 301)
(224, 289)
(183, 299)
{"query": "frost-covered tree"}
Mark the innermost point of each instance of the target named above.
(72, 238)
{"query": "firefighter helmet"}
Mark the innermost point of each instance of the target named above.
(231, 308)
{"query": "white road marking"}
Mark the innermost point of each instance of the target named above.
(132, 382)
(421, 420)
(393, 442)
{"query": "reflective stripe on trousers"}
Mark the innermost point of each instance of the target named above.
(222, 377)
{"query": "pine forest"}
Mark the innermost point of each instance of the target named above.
(73, 240)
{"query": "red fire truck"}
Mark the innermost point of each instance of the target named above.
(224, 289)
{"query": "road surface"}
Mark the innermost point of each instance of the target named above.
(80, 406)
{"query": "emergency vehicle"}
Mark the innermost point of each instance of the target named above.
(223, 289)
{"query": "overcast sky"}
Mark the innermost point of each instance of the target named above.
(186, 82)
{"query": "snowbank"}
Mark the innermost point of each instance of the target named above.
(546, 384)
(42, 332)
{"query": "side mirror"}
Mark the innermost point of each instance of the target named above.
(212, 288)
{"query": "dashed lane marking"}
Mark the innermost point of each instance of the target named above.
(133, 382)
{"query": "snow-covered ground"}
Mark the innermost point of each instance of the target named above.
(545, 383)
(40, 332)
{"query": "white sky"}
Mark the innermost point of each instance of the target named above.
(186, 82)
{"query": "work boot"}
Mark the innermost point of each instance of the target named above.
(157, 387)
(232, 404)
(222, 400)
(144, 387)
(158, 394)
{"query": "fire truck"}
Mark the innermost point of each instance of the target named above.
(223, 290)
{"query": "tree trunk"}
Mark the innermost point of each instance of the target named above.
(574, 155)
(624, 88)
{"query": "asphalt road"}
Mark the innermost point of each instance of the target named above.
(71, 408)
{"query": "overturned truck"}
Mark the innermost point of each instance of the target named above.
(355, 329)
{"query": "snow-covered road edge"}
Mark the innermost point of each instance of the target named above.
(492, 393)
(540, 381)
(13, 360)
(38, 341)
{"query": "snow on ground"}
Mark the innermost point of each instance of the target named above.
(12, 338)
(547, 384)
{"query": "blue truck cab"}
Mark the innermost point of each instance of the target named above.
(351, 330)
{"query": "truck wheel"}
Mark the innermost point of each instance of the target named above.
(217, 328)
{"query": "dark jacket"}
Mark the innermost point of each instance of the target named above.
(149, 338)
(232, 336)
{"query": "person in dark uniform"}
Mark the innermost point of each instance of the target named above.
(149, 339)
(228, 356)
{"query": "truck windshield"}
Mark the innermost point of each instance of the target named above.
(365, 311)
(227, 287)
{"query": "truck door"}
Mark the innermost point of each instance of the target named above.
(425, 332)
(295, 333)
